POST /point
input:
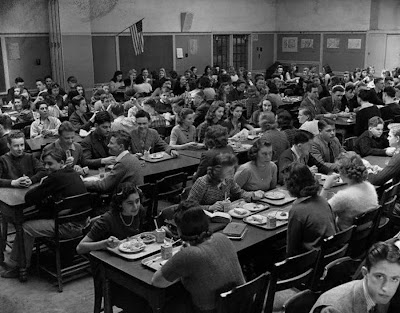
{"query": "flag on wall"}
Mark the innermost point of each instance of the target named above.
(137, 37)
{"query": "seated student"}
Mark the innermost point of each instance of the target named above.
(147, 139)
(5, 129)
(206, 263)
(359, 196)
(19, 83)
(183, 135)
(156, 119)
(59, 95)
(104, 102)
(391, 108)
(45, 125)
(326, 147)
(214, 116)
(216, 141)
(259, 173)
(308, 121)
(218, 184)
(200, 106)
(78, 119)
(120, 122)
(374, 292)
(333, 103)
(41, 87)
(72, 149)
(236, 121)
(238, 92)
(312, 103)
(310, 218)
(366, 111)
(265, 106)
(285, 124)
(62, 182)
(253, 101)
(127, 167)
(22, 106)
(270, 132)
(300, 153)
(349, 100)
(95, 145)
(17, 168)
(371, 142)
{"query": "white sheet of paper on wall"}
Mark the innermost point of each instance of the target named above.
(179, 53)
(13, 51)
(354, 44)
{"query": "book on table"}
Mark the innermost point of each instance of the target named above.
(235, 230)
(218, 217)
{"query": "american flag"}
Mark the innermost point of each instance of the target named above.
(137, 37)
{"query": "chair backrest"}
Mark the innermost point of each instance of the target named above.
(147, 201)
(247, 298)
(294, 271)
(349, 143)
(301, 302)
(21, 125)
(387, 198)
(27, 131)
(166, 218)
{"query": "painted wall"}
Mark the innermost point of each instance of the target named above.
(104, 61)
(262, 51)
(24, 16)
(323, 15)
(200, 58)
(387, 13)
(164, 16)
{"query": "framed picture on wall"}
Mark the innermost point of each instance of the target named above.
(289, 44)
(354, 44)
(333, 43)
(307, 43)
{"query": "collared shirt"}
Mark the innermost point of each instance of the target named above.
(51, 123)
(121, 155)
(370, 303)
(298, 157)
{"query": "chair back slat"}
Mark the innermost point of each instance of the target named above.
(147, 201)
(301, 302)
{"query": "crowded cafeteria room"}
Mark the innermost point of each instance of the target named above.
(202, 156)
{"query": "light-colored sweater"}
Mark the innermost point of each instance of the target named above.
(352, 201)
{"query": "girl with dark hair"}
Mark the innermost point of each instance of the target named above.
(264, 106)
(359, 195)
(236, 121)
(223, 92)
(310, 218)
(117, 82)
(181, 86)
(214, 116)
(217, 186)
(206, 263)
(183, 135)
(326, 74)
(259, 173)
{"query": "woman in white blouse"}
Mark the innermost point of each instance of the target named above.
(183, 135)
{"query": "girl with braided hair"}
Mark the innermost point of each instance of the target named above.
(358, 197)
(206, 263)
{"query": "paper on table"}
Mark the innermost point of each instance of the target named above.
(83, 133)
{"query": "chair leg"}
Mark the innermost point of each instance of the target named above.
(58, 265)
(38, 258)
(4, 231)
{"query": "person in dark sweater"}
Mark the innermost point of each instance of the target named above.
(366, 111)
(78, 117)
(5, 129)
(61, 182)
(371, 142)
(17, 168)
(349, 100)
(391, 108)
(376, 93)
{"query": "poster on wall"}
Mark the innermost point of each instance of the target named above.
(193, 46)
(289, 44)
(333, 43)
(354, 44)
(13, 51)
(307, 43)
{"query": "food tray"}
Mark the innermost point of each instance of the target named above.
(279, 223)
(150, 248)
(240, 203)
(165, 157)
(154, 262)
(288, 198)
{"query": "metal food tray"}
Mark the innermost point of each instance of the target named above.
(239, 204)
(164, 158)
(154, 262)
(286, 200)
(279, 223)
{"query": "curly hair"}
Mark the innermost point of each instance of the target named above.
(257, 145)
(211, 111)
(299, 181)
(122, 193)
(217, 163)
(216, 137)
(183, 114)
(352, 166)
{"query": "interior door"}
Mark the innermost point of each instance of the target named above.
(392, 57)
(375, 55)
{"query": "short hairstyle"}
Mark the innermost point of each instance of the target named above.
(102, 117)
(349, 87)
(211, 111)
(388, 78)
(200, 93)
(48, 76)
(364, 94)
(122, 137)
(54, 85)
(337, 88)
(122, 192)
(309, 113)
(139, 79)
(72, 79)
(192, 222)
(150, 102)
(39, 103)
(375, 121)
(390, 91)
(182, 115)
(323, 123)
(5, 121)
(351, 165)
(118, 109)
(15, 135)
(395, 129)
(76, 101)
(382, 251)
(285, 120)
(56, 154)
(216, 137)
(143, 113)
(377, 80)
(302, 136)
(40, 80)
(235, 105)
(217, 163)
(19, 80)
(267, 121)
(204, 82)
(257, 145)
(311, 86)
(299, 180)
(65, 126)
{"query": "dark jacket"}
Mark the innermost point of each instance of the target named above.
(362, 118)
(351, 104)
(152, 140)
(389, 111)
(80, 122)
(367, 144)
(94, 149)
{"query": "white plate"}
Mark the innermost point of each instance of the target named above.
(256, 219)
(158, 155)
(274, 195)
(239, 212)
(148, 237)
(279, 215)
(254, 207)
(125, 247)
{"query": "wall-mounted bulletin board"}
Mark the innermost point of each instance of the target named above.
(344, 52)
(299, 47)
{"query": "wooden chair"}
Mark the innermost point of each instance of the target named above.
(386, 200)
(21, 126)
(147, 201)
(390, 217)
(396, 119)
(332, 248)
(364, 234)
(293, 272)
(169, 188)
(72, 209)
(166, 218)
(386, 123)
(349, 143)
(301, 302)
(247, 298)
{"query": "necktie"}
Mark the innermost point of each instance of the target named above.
(331, 155)
(373, 310)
